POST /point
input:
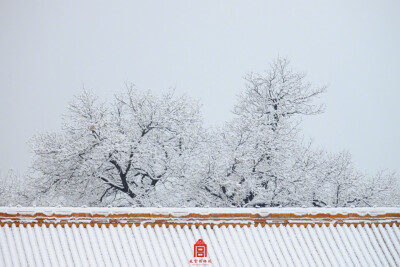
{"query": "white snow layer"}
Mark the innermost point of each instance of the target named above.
(177, 212)
(227, 246)
(376, 244)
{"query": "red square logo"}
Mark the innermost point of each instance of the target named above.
(200, 249)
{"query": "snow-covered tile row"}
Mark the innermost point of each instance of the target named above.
(205, 211)
(184, 211)
(188, 216)
(297, 245)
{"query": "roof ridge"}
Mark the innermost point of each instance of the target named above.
(156, 216)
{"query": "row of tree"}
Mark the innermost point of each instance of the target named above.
(148, 150)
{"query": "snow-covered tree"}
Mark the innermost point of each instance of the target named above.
(16, 189)
(260, 159)
(337, 183)
(149, 150)
(258, 146)
(140, 150)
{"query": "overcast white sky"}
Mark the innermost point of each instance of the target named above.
(49, 51)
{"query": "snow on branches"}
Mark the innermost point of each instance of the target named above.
(148, 150)
(135, 151)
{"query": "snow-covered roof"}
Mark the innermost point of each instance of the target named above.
(167, 236)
